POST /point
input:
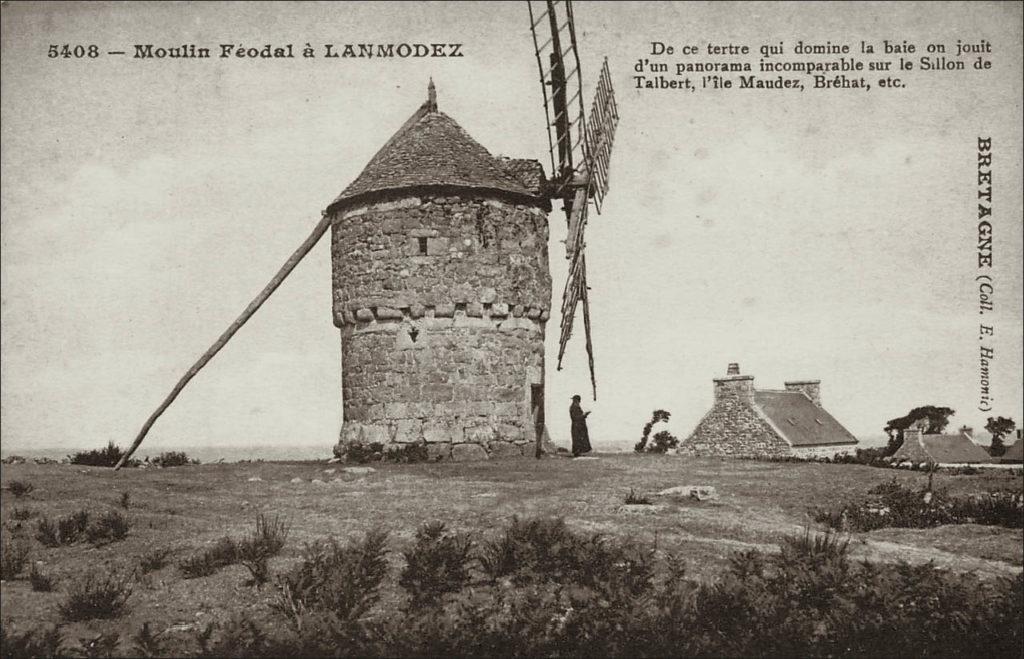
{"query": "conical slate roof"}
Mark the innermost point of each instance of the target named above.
(430, 149)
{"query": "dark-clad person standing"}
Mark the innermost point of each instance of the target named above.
(580, 435)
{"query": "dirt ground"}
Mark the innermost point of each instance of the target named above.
(186, 508)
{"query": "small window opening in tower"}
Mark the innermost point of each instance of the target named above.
(423, 246)
(413, 333)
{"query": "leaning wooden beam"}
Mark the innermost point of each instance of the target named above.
(285, 270)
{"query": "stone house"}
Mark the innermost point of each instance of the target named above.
(956, 448)
(441, 291)
(748, 422)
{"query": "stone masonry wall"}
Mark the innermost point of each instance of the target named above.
(442, 347)
(733, 428)
(479, 250)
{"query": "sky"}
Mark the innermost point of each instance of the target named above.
(814, 235)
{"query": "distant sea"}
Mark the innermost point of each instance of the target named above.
(207, 454)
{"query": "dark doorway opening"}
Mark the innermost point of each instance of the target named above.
(537, 411)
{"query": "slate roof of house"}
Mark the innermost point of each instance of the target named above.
(944, 449)
(800, 421)
(431, 149)
(1014, 452)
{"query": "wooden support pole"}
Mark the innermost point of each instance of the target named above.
(286, 269)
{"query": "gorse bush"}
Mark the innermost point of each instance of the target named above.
(64, 531)
(808, 600)
(19, 488)
(153, 560)
(343, 581)
(106, 457)
(173, 459)
(21, 514)
(13, 557)
(41, 642)
(222, 553)
(634, 499)
(147, 644)
(437, 564)
(41, 583)
(253, 552)
(546, 550)
(892, 504)
(266, 541)
(111, 526)
(96, 595)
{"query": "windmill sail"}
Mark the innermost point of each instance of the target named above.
(580, 149)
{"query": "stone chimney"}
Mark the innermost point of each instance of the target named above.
(735, 386)
(810, 388)
(967, 430)
(913, 433)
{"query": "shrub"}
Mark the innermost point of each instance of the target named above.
(633, 499)
(70, 528)
(656, 417)
(343, 581)
(808, 600)
(266, 541)
(19, 488)
(895, 505)
(96, 595)
(107, 457)
(408, 453)
(437, 564)
(21, 514)
(45, 642)
(546, 550)
(46, 532)
(147, 644)
(104, 645)
(13, 556)
(153, 560)
(663, 441)
(110, 527)
(40, 582)
(223, 553)
(173, 459)
(363, 453)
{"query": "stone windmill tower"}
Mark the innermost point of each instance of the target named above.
(441, 284)
(441, 291)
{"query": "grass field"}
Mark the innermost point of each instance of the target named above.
(187, 508)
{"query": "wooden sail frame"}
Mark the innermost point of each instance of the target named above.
(579, 148)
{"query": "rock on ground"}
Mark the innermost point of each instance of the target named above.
(698, 492)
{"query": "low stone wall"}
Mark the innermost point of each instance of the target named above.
(810, 452)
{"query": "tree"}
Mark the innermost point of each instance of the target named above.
(657, 416)
(936, 417)
(999, 426)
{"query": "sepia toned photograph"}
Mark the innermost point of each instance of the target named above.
(525, 328)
